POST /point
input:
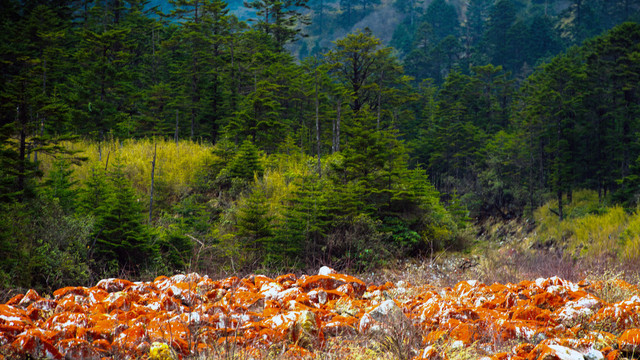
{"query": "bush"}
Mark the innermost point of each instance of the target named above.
(49, 248)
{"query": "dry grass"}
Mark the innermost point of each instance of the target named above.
(611, 285)
(176, 164)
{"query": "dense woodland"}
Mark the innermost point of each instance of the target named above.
(279, 149)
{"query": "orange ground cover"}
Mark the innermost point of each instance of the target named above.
(191, 315)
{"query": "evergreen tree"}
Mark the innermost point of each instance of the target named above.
(255, 230)
(613, 97)
(305, 221)
(443, 19)
(246, 164)
(502, 16)
(358, 61)
(120, 233)
(60, 186)
(280, 19)
(556, 101)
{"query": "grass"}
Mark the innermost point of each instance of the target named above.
(590, 229)
(610, 285)
(176, 164)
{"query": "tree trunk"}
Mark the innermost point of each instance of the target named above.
(22, 118)
(153, 168)
(106, 163)
(116, 12)
(318, 127)
(337, 138)
(560, 211)
(177, 128)
(379, 103)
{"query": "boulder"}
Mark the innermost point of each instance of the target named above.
(554, 352)
(629, 341)
(382, 318)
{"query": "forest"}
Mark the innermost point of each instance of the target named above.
(140, 139)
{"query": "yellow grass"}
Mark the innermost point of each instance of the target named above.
(590, 228)
(176, 165)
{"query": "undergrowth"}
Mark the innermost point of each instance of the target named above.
(590, 229)
(177, 164)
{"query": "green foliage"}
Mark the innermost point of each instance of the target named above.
(42, 247)
(590, 229)
(356, 243)
(254, 228)
(119, 232)
(59, 186)
(278, 171)
(280, 19)
(401, 235)
(359, 61)
(246, 163)
(176, 248)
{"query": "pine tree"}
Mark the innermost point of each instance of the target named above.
(254, 226)
(443, 19)
(305, 221)
(281, 19)
(246, 163)
(358, 61)
(60, 186)
(120, 232)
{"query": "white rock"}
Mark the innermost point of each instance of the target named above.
(593, 354)
(387, 314)
(270, 290)
(564, 353)
(325, 270)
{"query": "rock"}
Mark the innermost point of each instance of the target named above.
(12, 319)
(187, 315)
(325, 270)
(30, 297)
(73, 290)
(299, 327)
(593, 354)
(554, 352)
(618, 316)
(578, 310)
(613, 355)
(77, 349)
(430, 353)
(305, 332)
(385, 316)
(340, 325)
(332, 282)
(113, 285)
(629, 341)
(33, 344)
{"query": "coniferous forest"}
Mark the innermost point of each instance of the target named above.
(141, 138)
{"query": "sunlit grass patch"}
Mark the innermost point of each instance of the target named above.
(176, 164)
(589, 228)
(629, 241)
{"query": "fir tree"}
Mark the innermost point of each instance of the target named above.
(246, 163)
(120, 231)
(60, 186)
